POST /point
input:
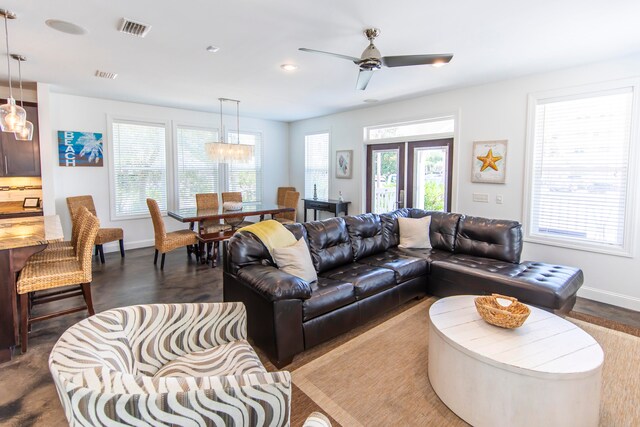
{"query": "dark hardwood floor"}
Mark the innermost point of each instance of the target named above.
(27, 395)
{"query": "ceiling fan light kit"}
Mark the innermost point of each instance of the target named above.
(12, 116)
(371, 59)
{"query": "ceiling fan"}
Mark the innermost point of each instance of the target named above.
(371, 59)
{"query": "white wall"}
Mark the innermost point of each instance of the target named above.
(77, 113)
(487, 112)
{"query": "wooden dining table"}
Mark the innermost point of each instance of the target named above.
(19, 239)
(248, 209)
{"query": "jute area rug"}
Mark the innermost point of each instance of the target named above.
(380, 377)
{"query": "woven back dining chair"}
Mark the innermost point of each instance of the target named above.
(291, 200)
(73, 275)
(166, 242)
(282, 191)
(66, 250)
(234, 197)
(105, 235)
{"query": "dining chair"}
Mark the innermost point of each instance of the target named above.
(209, 201)
(282, 191)
(291, 200)
(236, 197)
(166, 242)
(105, 235)
(75, 275)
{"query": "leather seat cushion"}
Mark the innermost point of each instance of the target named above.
(327, 295)
(233, 358)
(537, 283)
(406, 267)
(429, 255)
(367, 280)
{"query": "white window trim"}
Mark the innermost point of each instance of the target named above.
(174, 154)
(110, 150)
(331, 155)
(411, 138)
(630, 209)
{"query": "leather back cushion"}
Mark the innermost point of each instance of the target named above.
(329, 243)
(444, 226)
(297, 230)
(245, 248)
(490, 238)
(365, 232)
(390, 229)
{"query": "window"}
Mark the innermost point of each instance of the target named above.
(580, 168)
(437, 126)
(247, 177)
(139, 162)
(316, 165)
(195, 172)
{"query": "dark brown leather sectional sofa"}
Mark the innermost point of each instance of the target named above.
(362, 272)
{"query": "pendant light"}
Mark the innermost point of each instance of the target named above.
(227, 152)
(24, 132)
(12, 117)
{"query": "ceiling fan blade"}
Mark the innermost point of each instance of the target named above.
(337, 55)
(405, 60)
(363, 79)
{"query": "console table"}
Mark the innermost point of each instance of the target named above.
(327, 205)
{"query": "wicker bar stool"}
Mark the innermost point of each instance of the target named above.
(71, 274)
(166, 242)
(236, 197)
(282, 191)
(67, 250)
(291, 200)
(105, 235)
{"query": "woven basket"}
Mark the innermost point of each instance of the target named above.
(510, 316)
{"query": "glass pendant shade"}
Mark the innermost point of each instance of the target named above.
(229, 153)
(12, 116)
(25, 133)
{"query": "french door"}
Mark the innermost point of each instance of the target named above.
(426, 171)
(385, 177)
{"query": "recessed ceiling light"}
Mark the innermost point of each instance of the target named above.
(66, 27)
(371, 101)
(212, 49)
(289, 67)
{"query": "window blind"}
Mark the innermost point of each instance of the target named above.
(139, 166)
(196, 172)
(316, 165)
(580, 168)
(247, 177)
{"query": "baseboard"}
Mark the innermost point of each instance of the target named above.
(115, 246)
(612, 298)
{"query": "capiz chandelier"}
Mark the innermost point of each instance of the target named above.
(225, 152)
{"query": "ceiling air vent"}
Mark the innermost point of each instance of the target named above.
(106, 75)
(137, 29)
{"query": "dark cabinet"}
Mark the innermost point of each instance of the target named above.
(21, 158)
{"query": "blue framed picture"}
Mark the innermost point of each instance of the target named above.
(80, 149)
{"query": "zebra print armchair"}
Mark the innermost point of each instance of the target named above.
(167, 364)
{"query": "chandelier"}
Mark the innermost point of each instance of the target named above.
(226, 152)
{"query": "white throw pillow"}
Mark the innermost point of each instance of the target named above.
(296, 260)
(414, 232)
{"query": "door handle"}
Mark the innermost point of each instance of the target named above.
(6, 168)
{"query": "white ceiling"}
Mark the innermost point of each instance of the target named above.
(491, 40)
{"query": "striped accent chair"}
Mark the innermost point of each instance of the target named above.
(167, 364)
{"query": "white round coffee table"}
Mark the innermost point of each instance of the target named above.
(545, 373)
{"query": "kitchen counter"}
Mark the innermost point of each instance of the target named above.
(21, 232)
(15, 210)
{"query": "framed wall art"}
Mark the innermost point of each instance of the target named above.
(489, 162)
(344, 163)
(80, 149)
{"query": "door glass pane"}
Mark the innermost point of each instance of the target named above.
(384, 180)
(430, 172)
